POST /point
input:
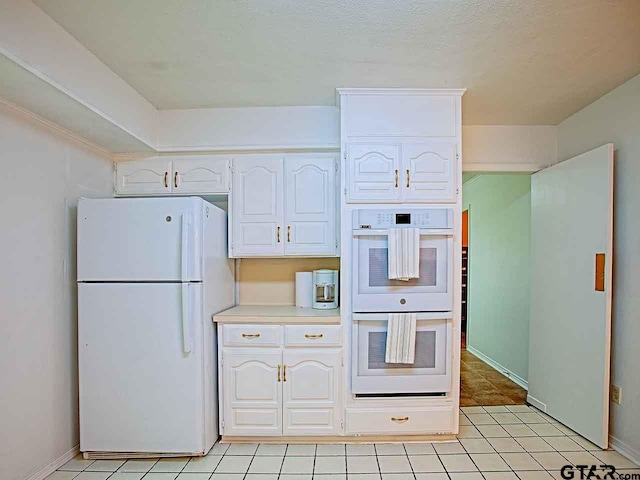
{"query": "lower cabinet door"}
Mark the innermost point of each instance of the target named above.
(311, 392)
(252, 390)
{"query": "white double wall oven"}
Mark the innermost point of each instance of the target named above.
(374, 296)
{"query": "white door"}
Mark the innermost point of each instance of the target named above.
(570, 332)
(257, 206)
(373, 173)
(252, 389)
(150, 176)
(311, 395)
(310, 205)
(141, 390)
(429, 172)
(200, 174)
(140, 239)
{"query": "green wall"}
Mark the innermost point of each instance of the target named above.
(499, 277)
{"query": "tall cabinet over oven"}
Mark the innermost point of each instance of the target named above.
(402, 168)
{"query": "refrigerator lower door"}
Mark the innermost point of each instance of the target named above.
(141, 388)
(140, 239)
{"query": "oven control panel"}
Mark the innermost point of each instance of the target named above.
(396, 218)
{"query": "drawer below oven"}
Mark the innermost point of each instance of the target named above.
(400, 421)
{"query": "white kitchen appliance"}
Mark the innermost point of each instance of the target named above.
(429, 374)
(373, 291)
(151, 272)
(325, 289)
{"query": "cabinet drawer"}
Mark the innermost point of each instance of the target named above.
(249, 335)
(313, 335)
(410, 421)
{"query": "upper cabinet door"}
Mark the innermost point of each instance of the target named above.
(310, 205)
(373, 173)
(200, 174)
(257, 206)
(429, 172)
(149, 176)
(311, 392)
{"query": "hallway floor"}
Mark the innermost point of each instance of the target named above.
(480, 384)
(512, 442)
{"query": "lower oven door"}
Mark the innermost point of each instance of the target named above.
(373, 291)
(431, 371)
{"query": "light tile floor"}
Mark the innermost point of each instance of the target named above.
(512, 442)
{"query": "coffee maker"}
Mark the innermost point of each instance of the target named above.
(325, 289)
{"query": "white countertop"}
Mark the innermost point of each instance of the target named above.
(289, 314)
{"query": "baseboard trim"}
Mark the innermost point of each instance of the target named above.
(624, 449)
(505, 371)
(537, 403)
(47, 470)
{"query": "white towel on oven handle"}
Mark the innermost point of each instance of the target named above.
(404, 253)
(401, 338)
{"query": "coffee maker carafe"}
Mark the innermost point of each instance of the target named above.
(325, 289)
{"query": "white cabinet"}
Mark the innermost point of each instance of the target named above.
(272, 391)
(373, 172)
(406, 172)
(283, 205)
(257, 206)
(200, 174)
(310, 392)
(252, 393)
(401, 145)
(150, 176)
(310, 205)
(177, 175)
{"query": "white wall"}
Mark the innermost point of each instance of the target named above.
(31, 38)
(616, 118)
(516, 148)
(43, 174)
(248, 128)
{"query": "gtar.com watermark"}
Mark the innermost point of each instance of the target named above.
(595, 472)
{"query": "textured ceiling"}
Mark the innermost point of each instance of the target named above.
(523, 61)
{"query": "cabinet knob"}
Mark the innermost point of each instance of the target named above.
(278, 235)
(289, 233)
(396, 178)
(284, 373)
(278, 372)
(408, 178)
(175, 180)
(166, 179)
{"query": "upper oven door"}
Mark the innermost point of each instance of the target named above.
(374, 292)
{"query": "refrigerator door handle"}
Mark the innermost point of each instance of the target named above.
(184, 247)
(186, 331)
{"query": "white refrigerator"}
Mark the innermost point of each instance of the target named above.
(151, 273)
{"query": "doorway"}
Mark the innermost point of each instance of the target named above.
(495, 289)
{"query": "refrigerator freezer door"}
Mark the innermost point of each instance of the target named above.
(139, 390)
(140, 239)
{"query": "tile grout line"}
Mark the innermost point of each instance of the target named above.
(404, 447)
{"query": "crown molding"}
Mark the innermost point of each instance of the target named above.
(55, 128)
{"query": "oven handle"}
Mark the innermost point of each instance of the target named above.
(382, 317)
(365, 232)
